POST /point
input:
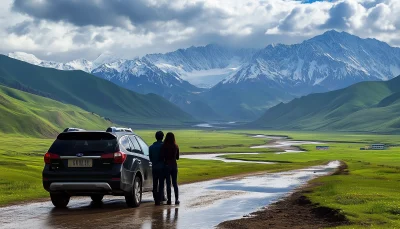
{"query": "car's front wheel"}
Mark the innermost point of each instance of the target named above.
(133, 198)
(60, 200)
(97, 198)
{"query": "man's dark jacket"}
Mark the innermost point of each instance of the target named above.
(154, 154)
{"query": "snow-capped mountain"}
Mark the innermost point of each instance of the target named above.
(26, 57)
(243, 83)
(202, 66)
(279, 73)
(330, 61)
(139, 75)
(78, 64)
(143, 76)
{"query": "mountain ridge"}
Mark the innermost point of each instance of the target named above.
(251, 81)
(355, 108)
(92, 94)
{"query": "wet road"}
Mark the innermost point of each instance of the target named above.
(204, 205)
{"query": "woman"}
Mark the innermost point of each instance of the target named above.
(170, 153)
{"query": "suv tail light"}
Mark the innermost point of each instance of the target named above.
(48, 156)
(119, 157)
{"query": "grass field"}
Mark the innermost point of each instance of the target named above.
(368, 195)
(21, 161)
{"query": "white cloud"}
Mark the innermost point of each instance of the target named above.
(160, 26)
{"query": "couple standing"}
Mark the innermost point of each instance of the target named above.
(163, 156)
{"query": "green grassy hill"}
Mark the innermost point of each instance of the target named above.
(367, 106)
(27, 114)
(92, 94)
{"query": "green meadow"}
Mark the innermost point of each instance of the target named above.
(368, 195)
(21, 160)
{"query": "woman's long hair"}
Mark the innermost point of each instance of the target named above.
(169, 140)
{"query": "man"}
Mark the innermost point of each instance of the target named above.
(158, 167)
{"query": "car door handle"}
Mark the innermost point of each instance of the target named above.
(150, 164)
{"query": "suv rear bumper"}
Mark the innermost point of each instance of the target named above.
(79, 186)
(82, 187)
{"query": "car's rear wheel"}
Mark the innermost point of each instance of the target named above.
(134, 197)
(60, 200)
(97, 198)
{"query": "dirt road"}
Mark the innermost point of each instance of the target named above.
(204, 205)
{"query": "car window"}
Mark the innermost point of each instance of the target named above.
(84, 142)
(144, 146)
(135, 143)
(126, 144)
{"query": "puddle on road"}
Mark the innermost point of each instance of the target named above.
(204, 205)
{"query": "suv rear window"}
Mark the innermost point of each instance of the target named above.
(84, 142)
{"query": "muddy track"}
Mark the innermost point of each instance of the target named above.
(295, 211)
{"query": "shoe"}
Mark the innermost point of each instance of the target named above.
(158, 203)
(169, 202)
(177, 202)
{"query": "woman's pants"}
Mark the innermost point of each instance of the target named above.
(172, 174)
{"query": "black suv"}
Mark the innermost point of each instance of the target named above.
(89, 163)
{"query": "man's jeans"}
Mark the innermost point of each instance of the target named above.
(158, 184)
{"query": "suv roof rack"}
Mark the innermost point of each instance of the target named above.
(114, 129)
(73, 129)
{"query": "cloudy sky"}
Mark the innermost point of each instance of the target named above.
(68, 29)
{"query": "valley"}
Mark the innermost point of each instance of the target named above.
(244, 83)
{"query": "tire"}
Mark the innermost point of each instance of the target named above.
(134, 197)
(60, 200)
(97, 198)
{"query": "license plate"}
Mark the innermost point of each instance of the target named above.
(80, 163)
